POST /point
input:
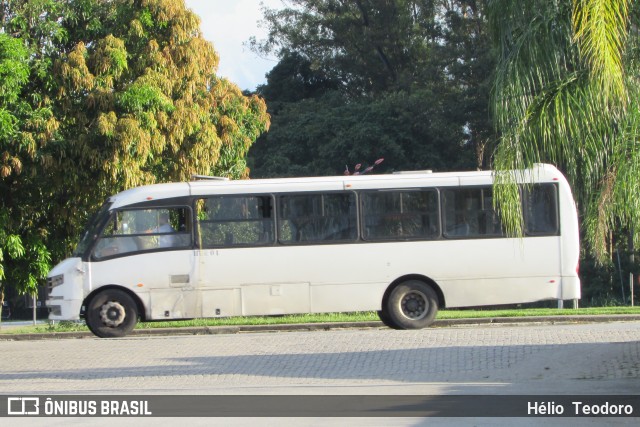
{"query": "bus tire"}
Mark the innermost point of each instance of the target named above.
(412, 305)
(383, 315)
(111, 314)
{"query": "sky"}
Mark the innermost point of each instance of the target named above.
(229, 24)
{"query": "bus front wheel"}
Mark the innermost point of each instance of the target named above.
(111, 314)
(412, 305)
(383, 315)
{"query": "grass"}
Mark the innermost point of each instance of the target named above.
(368, 316)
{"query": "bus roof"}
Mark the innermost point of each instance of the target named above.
(540, 173)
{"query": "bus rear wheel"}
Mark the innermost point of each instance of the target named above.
(111, 314)
(412, 305)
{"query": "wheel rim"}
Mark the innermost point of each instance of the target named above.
(112, 314)
(414, 305)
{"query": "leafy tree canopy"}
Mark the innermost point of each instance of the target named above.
(98, 96)
(567, 92)
(319, 136)
(340, 61)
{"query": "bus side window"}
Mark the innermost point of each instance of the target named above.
(541, 210)
(400, 214)
(229, 221)
(317, 217)
(469, 212)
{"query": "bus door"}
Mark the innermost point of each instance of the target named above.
(150, 252)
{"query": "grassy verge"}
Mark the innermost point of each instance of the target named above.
(324, 318)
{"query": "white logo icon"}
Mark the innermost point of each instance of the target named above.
(23, 406)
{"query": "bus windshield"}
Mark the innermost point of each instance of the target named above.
(92, 230)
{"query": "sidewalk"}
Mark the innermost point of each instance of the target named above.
(7, 324)
(212, 330)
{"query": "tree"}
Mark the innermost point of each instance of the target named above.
(566, 92)
(318, 136)
(351, 57)
(294, 79)
(22, 126)
(368, 45)
(119, 93)
(469, 60)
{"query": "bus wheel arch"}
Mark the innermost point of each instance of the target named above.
(112, 311)
(411, 302)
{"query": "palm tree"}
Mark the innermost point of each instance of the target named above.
(566, 92)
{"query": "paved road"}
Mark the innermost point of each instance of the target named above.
(482, 359)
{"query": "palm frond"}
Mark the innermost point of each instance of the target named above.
(600, 30)
(565, 93)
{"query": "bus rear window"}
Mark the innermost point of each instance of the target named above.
(541, 210)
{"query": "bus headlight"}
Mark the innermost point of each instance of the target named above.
(54, 281)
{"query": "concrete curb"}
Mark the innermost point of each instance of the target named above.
(213, 330)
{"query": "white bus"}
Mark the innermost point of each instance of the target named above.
(404, 245)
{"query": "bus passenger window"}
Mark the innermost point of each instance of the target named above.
(317, 218)
(468, 212)
(400, 215)
(541, 210)
(228, 221)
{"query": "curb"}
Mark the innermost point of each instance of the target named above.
(217, 330)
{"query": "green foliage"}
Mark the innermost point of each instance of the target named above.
(8, 124)
(404, 80)
(140, 97)
(566, 92)
(97, 97)
(13, 246)
(293, 79)
(600, 29)
(20, 132)
(14, 70)
(599, 282)
(319, 136)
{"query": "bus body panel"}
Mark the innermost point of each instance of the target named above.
(163, 281)
(149, 193)
(65, 296)
(570, 243)
(282, 280)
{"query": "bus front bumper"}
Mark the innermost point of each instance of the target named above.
(60, 309)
